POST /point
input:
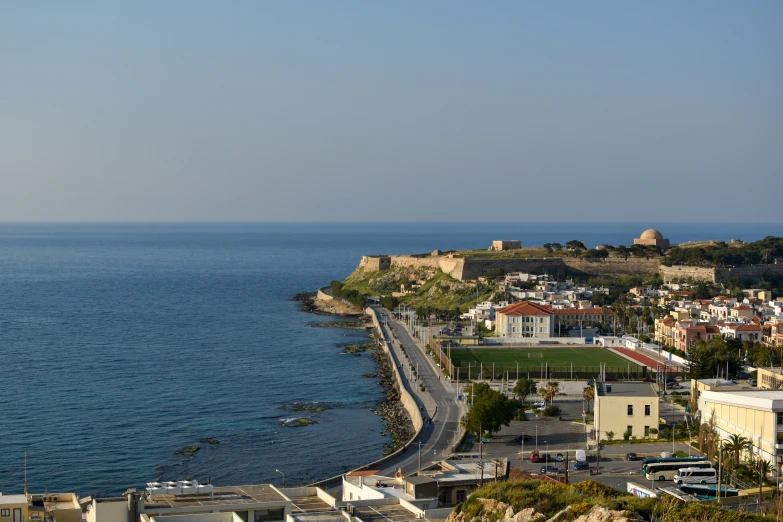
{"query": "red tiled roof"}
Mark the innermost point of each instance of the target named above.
(526, 308)
(742, 307)
(712, 329)
(747, 328)
(580, 311)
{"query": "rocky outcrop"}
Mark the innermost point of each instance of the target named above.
(493, 510)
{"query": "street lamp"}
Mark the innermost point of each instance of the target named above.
(277, 470)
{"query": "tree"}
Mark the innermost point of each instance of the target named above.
(610, 435)
(622, 251)
(490, 410)
(557, 246)
(549, 247)
(550, 391)
(735, 445)
(705, 359)
(576, 245)
(763, 467)
(588, 394)
(525, 387)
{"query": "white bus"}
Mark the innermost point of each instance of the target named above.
(667, 470)
(696, 476)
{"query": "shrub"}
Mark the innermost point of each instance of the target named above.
(551, 411)
(626, 435)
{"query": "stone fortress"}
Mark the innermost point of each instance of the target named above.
(469, 268)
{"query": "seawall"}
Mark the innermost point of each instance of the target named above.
(407, 400)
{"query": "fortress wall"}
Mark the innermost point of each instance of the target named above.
(474, 268)
(612, 266)
(681, 272)
(749, 274)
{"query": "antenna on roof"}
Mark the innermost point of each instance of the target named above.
(24, 485)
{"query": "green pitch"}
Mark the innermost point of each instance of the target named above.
(530, 359)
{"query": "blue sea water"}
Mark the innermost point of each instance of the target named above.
(123, 343)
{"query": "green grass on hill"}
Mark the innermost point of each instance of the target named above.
(530, 359)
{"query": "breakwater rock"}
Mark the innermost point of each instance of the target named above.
(397, 424)
(297, 422)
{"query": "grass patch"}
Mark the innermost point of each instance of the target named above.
(531, 359)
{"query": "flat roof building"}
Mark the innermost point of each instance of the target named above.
(755, 415)
(622, 407)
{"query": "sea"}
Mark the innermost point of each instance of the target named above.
(122, 344)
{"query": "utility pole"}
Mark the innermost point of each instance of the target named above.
(420, 443)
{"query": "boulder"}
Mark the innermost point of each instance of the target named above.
(602, 514)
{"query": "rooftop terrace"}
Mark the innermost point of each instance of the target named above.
(255, 494)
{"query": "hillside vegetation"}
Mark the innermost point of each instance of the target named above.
(583, 501)
(425, 287)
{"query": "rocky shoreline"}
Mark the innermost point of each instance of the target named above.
(309, 302)
(397, 424)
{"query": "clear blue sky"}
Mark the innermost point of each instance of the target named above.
(341, 111)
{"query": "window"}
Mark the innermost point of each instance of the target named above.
(646, 411)
(5, 512)
(629, 429)
(460, 496)
(630, 410)
(268, 515)
(646, 431)
(780, 419)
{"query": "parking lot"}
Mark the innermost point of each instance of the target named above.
(565, 437)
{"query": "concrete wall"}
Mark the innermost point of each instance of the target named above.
(108, 510)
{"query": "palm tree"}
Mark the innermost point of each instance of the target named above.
(554, 389)
(734, 445)
(546, 394)
(588, 395)
(763, 467)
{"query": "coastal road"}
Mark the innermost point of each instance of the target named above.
(439, 402)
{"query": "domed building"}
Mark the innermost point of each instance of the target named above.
(652, 237)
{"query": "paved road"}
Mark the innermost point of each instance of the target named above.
(439, 401)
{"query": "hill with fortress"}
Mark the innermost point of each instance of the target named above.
(505, 256)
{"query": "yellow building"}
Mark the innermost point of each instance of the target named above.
(770, 378)
(626, 407)
(14, 508)
(720, 385)
(666, 331)
(755, 415)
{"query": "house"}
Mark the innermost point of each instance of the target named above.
(622, 407)
(755, 415)
(689, 334)
(742, 332)
(457, 479)
(524, 319)
(15, 508)
(770, 378)
(666, 331)
(740, 312)
(772, 334)
(422, 492)
(40, 507)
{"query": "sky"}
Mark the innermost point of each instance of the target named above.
(391, 111)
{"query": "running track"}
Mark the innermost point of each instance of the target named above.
(644, 359)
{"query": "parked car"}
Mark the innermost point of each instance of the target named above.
(548, 470)
(580, 464)
(647, 379)
(672, 385)
(590, 382)
(559, 457)
(631, 456)
(535, 456)
(752, 382)
(520, 438)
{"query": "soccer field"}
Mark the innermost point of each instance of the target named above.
(561, 360)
